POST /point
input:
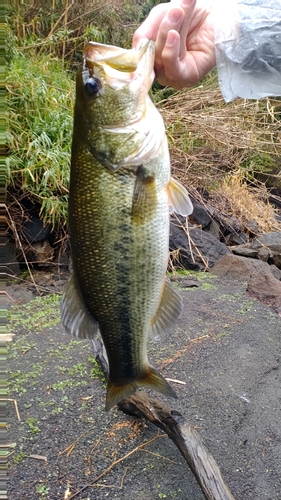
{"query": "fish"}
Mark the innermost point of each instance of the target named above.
(120, 199)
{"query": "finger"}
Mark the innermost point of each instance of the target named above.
(170, 59)
(149, 28)
(188, 8)
(177, 72)
(173, 20)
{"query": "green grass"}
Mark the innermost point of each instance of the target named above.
(39, 313)
(40, 101)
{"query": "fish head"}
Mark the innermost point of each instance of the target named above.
(112, 99)
(117, 80)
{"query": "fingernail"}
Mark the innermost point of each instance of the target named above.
(174, 16)
(170, 40)
(186, 3)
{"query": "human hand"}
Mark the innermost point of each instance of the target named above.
(183, 32)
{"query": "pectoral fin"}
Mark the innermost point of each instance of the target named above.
(179, 200)
(75, 317)
(167, 313)
(144, 197)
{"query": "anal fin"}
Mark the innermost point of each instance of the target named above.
(168, 312)
(179, 200)
(75, 316)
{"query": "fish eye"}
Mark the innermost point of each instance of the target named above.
(92, 86)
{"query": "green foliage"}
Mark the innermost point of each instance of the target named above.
(32, 425)
(40, 100)
(42, 489)
(39, 313)
(263, 167)
(63, 32)
(258, 162)
(160, 93)
(19, 457)
(44, 46)
(148, 5)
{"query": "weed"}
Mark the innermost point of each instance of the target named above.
(20, 380)
(31, 423)
(41, 95)
(56, 411)
(39, 313)
(42, 489)
(249, 203)
(65, 384)
(47, 403)
(96, 372)
(208, 286)
(79, 368)
(19, 457)
(221, 335)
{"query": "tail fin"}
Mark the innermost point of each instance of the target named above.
(151, 380)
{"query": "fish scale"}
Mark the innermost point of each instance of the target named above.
(120, 192)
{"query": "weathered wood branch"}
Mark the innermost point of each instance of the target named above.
(187, 440)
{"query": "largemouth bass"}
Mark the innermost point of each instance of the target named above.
(120, 192)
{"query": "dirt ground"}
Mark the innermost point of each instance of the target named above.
(225, 347)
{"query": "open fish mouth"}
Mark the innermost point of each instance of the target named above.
(117, 66)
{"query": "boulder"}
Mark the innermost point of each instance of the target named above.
(266, 289)
(199, 216)
(193, 248)
(266, 247)
(246, 250)
(236, 239)
(270, 242)
(242, 268)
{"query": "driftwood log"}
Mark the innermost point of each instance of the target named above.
(187, 440)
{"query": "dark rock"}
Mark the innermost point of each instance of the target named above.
(185, 281)
(9, 261)
(266, 247)
(276, 201)
(228, 223)
(270, 242)
(264, 254)
(199, 215)
(267, 289)
(245, 250)
(242, 268)
(214, 229)
(193, 248)
(252, 226)
(35, 230)
(236, 239)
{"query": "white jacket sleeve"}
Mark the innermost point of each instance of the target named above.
(248, 47)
